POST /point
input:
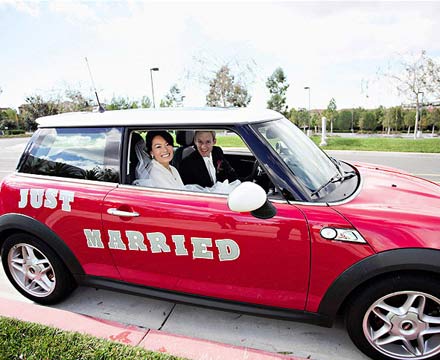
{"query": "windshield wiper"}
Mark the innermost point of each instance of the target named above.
(333, 180)
(337, 164)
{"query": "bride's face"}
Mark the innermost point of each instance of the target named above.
(161, 151)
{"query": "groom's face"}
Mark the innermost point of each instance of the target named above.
(204, 142)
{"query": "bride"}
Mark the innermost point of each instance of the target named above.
(155, 169)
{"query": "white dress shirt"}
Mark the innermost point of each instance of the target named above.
(164, 178)
(210, 166)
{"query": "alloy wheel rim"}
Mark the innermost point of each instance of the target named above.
(31, 270)
(404, 325)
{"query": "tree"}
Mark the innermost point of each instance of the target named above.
(277, 85)
(344, 120)
(3, 115)
(408, 119)
(224, 92)
(9, 124)
(393, 119)
(293, 116)
(240, 96)
(315, 120)
(433, 118)
(331, 113)
(145, 102)
(416, 78)
(299, 117)
(9, 119)
(368, 120)
(36, 106)
(387, 122)
(174, 98)
(121, 103)
(379, 114)
(76, 101)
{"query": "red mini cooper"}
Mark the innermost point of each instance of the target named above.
(300, 235)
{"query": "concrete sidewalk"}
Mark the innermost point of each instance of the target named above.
(153, 340)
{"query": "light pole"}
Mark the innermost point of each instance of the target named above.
(152, 86)
(308, 129)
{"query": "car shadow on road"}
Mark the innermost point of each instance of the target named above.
(274, 335)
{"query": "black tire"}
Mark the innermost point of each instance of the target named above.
(35, 270)
(389, 318)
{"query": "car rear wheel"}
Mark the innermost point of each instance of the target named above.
(397, 318)
(35, 270)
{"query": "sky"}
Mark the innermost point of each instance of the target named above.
(337, 49)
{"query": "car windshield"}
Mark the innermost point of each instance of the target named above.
(311, 165)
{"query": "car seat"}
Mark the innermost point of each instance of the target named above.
(185, 138)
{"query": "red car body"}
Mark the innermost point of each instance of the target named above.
(189, 246)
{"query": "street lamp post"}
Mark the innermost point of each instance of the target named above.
(152, 86)
(308, 129)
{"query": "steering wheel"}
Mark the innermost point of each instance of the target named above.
(259, 176)
(257, 171)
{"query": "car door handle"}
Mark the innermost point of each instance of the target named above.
(117, 212)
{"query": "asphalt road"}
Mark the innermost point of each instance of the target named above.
(11, 149)
(227, 327)
(423, 165)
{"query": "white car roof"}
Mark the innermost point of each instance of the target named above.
(158, 117)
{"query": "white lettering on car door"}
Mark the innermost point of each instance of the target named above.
(23, 198)
(200, 248)
(93, 238)
(228, 249)
(158, 242)
(115, 240)
(47, 198)
(135, 240)
(51, 198)
(179, 242)
(37, 198)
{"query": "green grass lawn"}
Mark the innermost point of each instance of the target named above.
(381, 144)
(22, 340)
(365, 144)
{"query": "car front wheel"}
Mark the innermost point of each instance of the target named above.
(397, 318)
(35, 270)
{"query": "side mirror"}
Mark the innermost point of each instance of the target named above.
(250, 197)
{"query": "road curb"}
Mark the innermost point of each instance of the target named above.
(153, 340)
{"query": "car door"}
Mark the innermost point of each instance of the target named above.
(191, 242)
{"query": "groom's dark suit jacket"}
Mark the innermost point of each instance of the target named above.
(193, 169)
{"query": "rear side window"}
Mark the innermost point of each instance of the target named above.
(87, 153)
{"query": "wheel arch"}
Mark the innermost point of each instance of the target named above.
(19, 223)
(386, 264)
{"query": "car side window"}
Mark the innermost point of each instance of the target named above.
(86, 153)
(233, 162)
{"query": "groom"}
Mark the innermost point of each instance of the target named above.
(207, 165)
